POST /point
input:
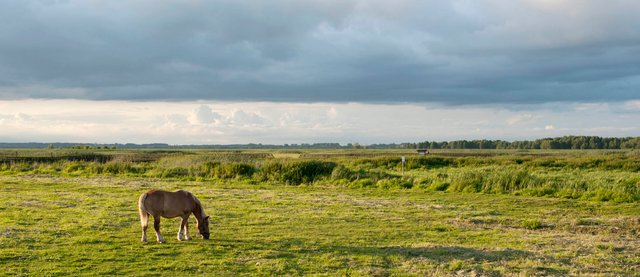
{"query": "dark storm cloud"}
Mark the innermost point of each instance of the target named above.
(453, 52)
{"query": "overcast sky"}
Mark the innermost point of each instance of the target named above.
(190, 71)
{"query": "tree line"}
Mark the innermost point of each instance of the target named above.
(566, 142)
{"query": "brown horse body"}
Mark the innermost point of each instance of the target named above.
(159, 203)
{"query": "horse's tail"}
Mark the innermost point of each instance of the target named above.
(141, 208)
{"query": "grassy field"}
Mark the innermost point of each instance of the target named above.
(587, 175)
(60, 217)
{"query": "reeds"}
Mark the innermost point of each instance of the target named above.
(601, 177)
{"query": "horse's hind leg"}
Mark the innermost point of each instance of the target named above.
(156, 226)
(144, 221)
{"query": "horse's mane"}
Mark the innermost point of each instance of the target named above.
(198, 208)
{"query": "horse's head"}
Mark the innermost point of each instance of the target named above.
(203, 227)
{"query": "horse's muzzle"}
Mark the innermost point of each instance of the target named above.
(205, 236)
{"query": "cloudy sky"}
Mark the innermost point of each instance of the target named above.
(191, 71)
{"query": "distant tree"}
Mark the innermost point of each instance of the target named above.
(631, 143)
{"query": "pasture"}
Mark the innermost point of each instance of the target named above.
(310, 213)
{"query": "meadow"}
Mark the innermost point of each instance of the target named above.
(312, 212)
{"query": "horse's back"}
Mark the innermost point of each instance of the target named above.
(167, 204)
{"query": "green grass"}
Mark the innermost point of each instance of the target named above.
(500, 212)
(609, 176)
(61, 225)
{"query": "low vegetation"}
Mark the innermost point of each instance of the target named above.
(602, 176)
(59, 225)
(489, 213)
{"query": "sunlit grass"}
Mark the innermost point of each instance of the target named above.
(86, 226)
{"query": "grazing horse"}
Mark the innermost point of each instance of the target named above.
(169, 205)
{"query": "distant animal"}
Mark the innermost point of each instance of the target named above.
(159, 203)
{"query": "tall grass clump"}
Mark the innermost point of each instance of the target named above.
(175, 172)
(532, 224)
(509, 180)
(397, 183)
(428, 162)
(296, 172)
(209, 169)
(622, 190)
(125, 168)
(379, 163)
(498, 180)
(21, 167)
(341, 172)
(233, 170)
(467, 181)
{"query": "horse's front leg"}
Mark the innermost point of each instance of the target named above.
(183, 227)
(186, 228)
(156, 225)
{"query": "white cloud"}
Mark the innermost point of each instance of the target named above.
(332, 113)
(244, 118)
(521, 119)
(592, 107)
(203, 114)
(176, 119)
(264, 122)
(632, 105)
(22, 117)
